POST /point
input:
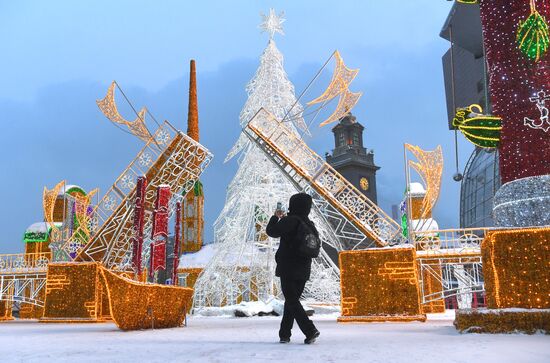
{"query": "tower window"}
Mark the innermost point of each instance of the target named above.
(356, 139)
(341, 139)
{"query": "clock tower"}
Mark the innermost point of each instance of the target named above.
(351, 159)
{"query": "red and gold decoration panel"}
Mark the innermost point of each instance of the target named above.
(159, 233)
(157, 258)
(160, 214)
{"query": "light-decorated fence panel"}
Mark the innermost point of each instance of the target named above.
(24, 288)
(462, 240)
(445, 276)
(24, 263)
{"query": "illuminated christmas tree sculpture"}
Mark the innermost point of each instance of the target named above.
(243, 267)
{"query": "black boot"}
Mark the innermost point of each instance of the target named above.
(284, 340)
(311, 338)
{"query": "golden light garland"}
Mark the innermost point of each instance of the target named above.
(87, 292)
(380, 285)
(339, 86)
(6, 310)
(347, 101)
(516, 267)
(32, 311)
(430, 169)
(108, 106)
(502, 321)
(341, 79)
(136, 305)
(73, 293)
(49, 198)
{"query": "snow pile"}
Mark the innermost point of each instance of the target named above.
(250, 308)
(416, 189)
(253, 308)
(325, 309)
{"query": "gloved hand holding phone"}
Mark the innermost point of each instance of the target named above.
(279, 210)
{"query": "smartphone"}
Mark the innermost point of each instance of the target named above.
(279, 206)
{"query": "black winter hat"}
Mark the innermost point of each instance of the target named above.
(300, 204)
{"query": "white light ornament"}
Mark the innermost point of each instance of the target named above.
(543, 123)
(272, 23)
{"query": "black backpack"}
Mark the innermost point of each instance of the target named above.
(307, 242)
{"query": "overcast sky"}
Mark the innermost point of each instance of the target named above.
(59, 57)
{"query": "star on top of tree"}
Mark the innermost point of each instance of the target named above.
(272, 23)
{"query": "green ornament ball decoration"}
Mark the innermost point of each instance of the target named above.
(481, 130)
(532, 35)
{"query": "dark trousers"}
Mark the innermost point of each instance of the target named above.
(292, 290)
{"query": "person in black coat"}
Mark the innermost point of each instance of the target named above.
(294, 270)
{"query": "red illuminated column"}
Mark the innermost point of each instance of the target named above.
(159, 233)
(519, 89)
(520, 94)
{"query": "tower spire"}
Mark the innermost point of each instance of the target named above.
(193, 108)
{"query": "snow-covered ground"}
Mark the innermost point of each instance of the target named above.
(225, 339)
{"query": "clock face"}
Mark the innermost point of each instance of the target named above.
(364, 183)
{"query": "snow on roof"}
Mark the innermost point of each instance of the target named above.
(70, 187)
(40, 227)
(417, 189)
(250, 255)
(199, 258)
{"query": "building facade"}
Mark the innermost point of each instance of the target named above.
(466, 83)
